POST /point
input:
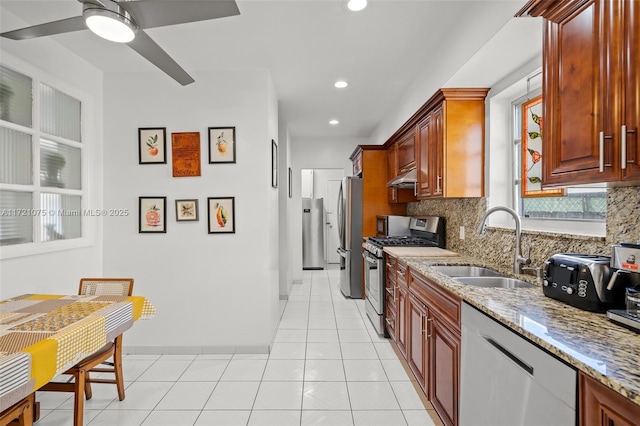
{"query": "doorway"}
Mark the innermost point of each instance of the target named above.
(325, 184)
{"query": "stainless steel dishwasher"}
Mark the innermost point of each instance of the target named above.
(506, 380)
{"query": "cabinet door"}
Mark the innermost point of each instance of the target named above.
(601, 406)
(436, 146)
(424, 157)
(631, 70)
(444, 369)
(578, 111)
(401, 319)
(407, 152)
(392, 157)
(417, 349)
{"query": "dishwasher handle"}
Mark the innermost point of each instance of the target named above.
(519, 362)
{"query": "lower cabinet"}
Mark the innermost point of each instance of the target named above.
(433, 344)
(600, 406)
(401, 317)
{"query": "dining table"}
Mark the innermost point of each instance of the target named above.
(43, 335)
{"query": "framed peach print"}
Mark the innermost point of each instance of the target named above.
(152, 145)
(221, 213)
(532, 155)
(222, 145)
(152, 214)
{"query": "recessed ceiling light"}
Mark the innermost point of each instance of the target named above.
(341, 84)
(357, 5)
(334, 122)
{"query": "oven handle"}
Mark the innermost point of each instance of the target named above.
(369, 259)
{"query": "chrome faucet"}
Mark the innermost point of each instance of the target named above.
(518, 258)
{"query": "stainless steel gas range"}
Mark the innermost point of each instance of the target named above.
(423, 232)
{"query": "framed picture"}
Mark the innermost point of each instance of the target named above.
(274, 164)
(187, 210)
(152, 145)
(152, 214)
(290, 183)
(185, 154)
(222, 145)
(222, 215)
(532, 151)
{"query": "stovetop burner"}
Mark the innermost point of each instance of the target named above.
(405, 240)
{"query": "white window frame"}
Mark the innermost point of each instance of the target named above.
(39, 76)
(501, 149)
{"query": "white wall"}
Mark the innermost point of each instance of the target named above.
(59, 272)
(314, 154)
(212, 292)
(284, 239)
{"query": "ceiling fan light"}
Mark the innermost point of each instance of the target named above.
(109, 25)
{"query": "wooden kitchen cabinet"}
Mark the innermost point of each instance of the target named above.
(401, 307)
(591, 88)
(397, 166)
(370, 163)
(391, 291)
(451, 145)
(601, 406)
(418, 349)
(433, 347)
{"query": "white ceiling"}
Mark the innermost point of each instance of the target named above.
(308, 44)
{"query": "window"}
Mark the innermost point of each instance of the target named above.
(579, 203)
(41, 162)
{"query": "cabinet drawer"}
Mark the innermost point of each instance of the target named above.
(402, 272)
(446, 304)
(390, 319)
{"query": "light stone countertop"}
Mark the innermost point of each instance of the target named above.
(588, 341)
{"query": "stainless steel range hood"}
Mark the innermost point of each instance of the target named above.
(406, 180)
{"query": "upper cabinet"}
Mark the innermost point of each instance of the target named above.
(451, 145)
(444, 141)
(591, 90)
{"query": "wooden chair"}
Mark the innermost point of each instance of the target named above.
(81, 385)
(20, 413)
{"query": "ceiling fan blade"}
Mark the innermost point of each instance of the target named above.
(149, 49)
(159, 13)
(50, 28)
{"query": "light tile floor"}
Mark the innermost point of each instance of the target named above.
(327, 367)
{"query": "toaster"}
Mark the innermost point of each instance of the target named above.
(582, 280)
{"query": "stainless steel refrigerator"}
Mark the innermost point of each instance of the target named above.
(312, 233)
(350, 233)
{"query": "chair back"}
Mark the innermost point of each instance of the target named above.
(106, 286)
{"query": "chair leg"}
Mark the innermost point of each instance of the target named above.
(88, 393)
(78, 409)
(26, 418)
(117, 366)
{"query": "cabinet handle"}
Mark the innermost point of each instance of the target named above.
(427, 330)
(393, 194)
(400, 273)
(395, 288)
(601, 149)
(390, 322)
(623, 142)
(438, 185)
(415, 189)
(422, 322)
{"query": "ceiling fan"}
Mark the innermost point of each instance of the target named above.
(123, 21)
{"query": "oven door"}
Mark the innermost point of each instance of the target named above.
(374, 281)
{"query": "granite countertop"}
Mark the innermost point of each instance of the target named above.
(588, 341)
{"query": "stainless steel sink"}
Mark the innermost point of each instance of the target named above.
(499, 282)
(466, 271)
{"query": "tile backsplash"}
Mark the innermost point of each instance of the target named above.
(496, 246)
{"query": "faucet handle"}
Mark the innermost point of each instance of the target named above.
(538, 270)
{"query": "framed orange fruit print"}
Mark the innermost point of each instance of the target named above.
(222, 145)
(152, 145)
(152, 214)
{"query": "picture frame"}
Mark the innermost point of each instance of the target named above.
(290, 183)
(152, 145)
(152, 215)
(221, 215)
(222, 145)
(187, 210)
(532, 128)
(274, 164)
(185, 154)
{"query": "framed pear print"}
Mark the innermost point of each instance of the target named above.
(221, 214)
(222, 145)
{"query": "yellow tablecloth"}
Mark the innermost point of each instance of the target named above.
(42, 335)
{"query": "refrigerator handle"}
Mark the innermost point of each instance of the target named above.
(342, 252)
